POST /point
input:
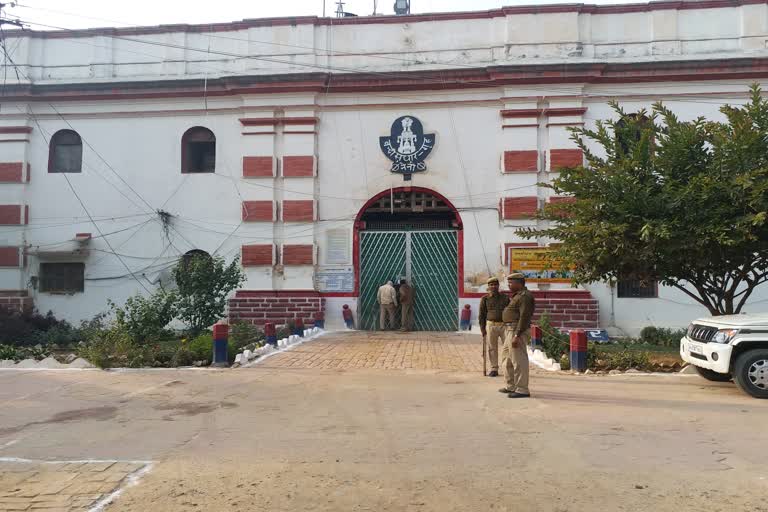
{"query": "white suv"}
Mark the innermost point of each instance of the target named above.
(730, 347)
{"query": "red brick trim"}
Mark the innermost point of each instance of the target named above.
(565, 158)
(520, 207)
(521, 161)
(16, 129)
(258, 166)
(276, 293)
(11, 172)
(298, 210)
(258, 255)
(536, 112)
(10, 215)
(258, 211)
(294, 255)
(298, 166)
(9, 257)
(274, 121)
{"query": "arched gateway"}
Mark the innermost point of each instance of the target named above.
(411, 233)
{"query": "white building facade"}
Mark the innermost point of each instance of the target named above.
(333, 154)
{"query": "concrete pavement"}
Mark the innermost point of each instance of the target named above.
(277, 437)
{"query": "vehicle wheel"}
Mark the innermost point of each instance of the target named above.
(712, 375)
(751, 372)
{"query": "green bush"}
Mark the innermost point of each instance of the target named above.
(556, 343)
(661, 336)
(624, 359)
(145, 318)
(115, 348)
(201, 348)
(243, 334)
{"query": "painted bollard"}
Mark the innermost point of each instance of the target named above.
(298, 328)
(220, 339)
(536, 337)
(271, 334)
(578, 350)
(320, 320)
(349, 320)
(466, 318)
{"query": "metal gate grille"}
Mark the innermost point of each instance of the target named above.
(434, 274)
(382, 258)
(428, 259)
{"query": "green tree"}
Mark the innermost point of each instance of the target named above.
(679, 202)
(204, 282)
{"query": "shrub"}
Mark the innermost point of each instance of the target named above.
(202, 348)
(556, 343)
(204, 283)
(600, 359)
(661, 336)
(115, 347)
(145, 318)
(28, 328)
(243, 334)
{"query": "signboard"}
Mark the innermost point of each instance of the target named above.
(538, 265)
(407, 146)
(598, 335)
(335, 279)
(337, 246)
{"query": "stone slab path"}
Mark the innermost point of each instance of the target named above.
(386, 351)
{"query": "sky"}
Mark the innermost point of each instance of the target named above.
(71, 14)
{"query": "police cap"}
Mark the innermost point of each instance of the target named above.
(516, 276)
(493, 280)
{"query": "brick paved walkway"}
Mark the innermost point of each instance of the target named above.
(61, 486)
(385, 350)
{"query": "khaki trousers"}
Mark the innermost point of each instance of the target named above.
(387, 316)
(515, 361)
(407, 318)
(495, 338)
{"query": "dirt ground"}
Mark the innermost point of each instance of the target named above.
(274, 438)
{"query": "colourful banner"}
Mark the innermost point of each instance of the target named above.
(538, 264)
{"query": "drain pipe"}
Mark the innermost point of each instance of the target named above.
(612, 284)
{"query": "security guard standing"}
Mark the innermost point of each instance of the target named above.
(490, 317)
(517, 323)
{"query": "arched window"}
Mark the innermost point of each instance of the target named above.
(198, 150)
(65, 152)
(193, 254)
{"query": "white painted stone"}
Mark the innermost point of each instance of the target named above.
(556, 367)
(539, 355)
(239, 359)
(7, 363)
(50, 362)
(80, 363)
(688, 370)
(247, 355)
(633, 370)
(27, 363)
(615, 372)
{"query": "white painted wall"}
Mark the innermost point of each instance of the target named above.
(132, 152)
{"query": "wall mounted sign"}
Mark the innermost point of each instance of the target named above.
(539, 265)
(407, 146)
(332, 278)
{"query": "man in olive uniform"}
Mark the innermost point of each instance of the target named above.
(405, 293)
(517, 323)
(491, 325)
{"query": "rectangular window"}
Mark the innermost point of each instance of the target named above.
(633, 289)
(62, 277)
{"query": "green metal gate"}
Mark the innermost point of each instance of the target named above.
(427, 259)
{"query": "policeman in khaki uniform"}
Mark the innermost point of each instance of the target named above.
(517, 323)
(491, 307)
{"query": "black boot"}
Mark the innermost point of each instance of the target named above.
(493, 373)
